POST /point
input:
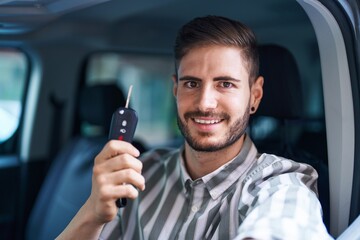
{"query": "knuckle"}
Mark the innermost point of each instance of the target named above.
(131, 192)
(111, 144)
(142, 180)
(141, 165)
(97, 170)
(125, 161)
(130, 162)
(97, 158)
(101, 180)
(129, 175)
(104, 193)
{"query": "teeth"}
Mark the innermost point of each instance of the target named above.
(206, 121)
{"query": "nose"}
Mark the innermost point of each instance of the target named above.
(207, 99)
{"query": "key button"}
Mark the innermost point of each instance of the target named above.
(124, 123)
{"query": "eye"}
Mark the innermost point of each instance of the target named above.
(191, 84)
(226, 84)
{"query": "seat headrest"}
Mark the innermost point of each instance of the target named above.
(282, 87)
(98, 102)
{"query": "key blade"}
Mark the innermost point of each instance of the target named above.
(128, 96)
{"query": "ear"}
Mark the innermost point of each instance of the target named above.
(256, 93)
(174, 78)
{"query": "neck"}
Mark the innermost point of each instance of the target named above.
(199, 164)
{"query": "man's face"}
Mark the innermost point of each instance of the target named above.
(213, 97)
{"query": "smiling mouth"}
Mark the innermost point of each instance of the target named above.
(204, 121)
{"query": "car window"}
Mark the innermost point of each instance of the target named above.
(151, 96)
(13, 68)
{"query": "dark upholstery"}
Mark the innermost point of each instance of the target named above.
(282, 109)
(65, 189)
(97, 103)
(282, 87)
(68, 182)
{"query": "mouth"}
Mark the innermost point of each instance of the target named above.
(207, 121)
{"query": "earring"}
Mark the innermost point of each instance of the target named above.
(252, 109)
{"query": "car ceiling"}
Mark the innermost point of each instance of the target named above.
(27, 17)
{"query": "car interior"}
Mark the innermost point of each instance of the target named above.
(67, 66)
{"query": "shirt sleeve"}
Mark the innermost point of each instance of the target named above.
(279, 203)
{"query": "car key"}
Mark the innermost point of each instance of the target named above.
(123, 125)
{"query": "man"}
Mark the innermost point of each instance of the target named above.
(216, 186)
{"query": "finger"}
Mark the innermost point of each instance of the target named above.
(112, 193)
(127, 176)
(123, 161)
(114, 148)
(126, 191)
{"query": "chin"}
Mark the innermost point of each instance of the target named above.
(207, 146)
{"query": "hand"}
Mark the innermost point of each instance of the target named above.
(116, 174)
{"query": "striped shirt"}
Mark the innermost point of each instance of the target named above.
(256, 196)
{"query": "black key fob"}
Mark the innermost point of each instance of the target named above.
(123, 124)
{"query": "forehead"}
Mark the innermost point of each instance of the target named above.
(213, 59)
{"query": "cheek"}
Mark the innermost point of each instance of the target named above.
(237, 106)
(184, 98)
(181, 104)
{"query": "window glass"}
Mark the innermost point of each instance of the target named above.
(151, 96)
(13, 67)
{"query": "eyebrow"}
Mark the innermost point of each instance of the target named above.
(226, 78)
(220, 78)
(187, 78)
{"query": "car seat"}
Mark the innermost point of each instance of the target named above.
(279, 122)
(68, 182)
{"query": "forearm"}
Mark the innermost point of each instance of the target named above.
(83, 225)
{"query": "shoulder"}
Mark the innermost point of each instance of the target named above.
(279, 197)
(273, 169)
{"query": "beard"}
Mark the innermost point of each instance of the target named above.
(233, 133)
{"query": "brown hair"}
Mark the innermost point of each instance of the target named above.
(216, 30)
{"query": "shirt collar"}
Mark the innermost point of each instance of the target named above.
(185, 177)
(220, 180)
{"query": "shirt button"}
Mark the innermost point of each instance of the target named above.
(194, 209)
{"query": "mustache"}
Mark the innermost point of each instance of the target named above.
(199, 114)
